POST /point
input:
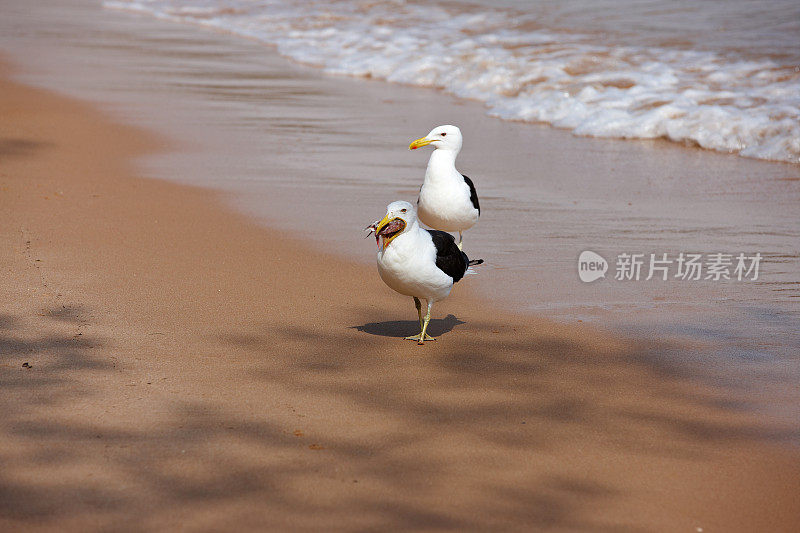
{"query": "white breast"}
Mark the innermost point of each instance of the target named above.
(408, 265)
(447, 207)
(444, 199)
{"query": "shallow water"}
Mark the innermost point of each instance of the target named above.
(618, 69)
(297, 149)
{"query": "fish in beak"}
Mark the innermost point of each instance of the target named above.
(388, 229)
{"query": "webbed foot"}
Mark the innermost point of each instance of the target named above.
(419, 338)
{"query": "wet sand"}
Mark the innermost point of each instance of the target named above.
(166, 363)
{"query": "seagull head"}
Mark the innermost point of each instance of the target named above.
(399, 217)
(442, 138)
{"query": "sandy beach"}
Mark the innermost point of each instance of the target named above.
(168, 364)
(194, 337)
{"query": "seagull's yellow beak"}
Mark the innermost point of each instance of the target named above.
(381, 224)
(397, 227)
(419, 143)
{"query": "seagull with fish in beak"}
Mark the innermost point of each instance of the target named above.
(417, 262)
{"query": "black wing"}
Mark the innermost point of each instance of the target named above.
(449, 258)
(473, 194)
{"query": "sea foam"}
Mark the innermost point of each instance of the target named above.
(522, 71)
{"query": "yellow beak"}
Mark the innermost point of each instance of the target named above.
(419, 143)
(383, 223)
(385, 220)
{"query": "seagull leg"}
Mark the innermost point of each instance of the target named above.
(460, 241)
(423, 336)
(423, 324)
(418, 305)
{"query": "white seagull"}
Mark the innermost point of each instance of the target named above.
(420, 263)
(447, 199)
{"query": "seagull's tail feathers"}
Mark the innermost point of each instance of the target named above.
(472, 263)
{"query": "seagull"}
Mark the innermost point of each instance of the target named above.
(447, 199)
(416, 262)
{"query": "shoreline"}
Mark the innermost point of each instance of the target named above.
(500, 70)
(272, 134)
(190, 368)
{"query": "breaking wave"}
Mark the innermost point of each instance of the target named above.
(523, 71)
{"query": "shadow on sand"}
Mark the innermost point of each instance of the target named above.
(404, 328)
(460, 437)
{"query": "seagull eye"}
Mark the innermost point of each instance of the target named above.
(443, 134)
(403, 210)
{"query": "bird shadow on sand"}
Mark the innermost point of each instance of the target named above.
(405, 328)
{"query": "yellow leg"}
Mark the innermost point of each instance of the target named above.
(423, 324)
(460, 241)
(423, 336)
